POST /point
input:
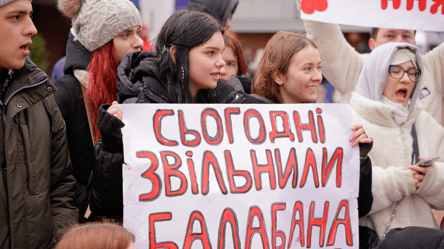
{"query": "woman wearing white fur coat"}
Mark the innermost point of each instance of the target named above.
(385, 103)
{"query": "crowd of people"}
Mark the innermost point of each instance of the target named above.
(61, 149)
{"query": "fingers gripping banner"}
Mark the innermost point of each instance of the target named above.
(426, 15)
(240, 176)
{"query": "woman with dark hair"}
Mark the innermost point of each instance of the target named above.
(186, 69)
(97, 235)
(290, 72)
(97, 43)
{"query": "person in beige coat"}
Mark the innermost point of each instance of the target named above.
(342, 65)
(385, 104)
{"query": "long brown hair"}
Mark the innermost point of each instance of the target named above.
(276, 59)
(233, 42)
(96, 235)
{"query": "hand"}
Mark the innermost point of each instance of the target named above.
(115, 110)
(358, 136)
(418, 173)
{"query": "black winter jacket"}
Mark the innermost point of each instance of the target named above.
(137, 82)
(69, 98)
(219, 9)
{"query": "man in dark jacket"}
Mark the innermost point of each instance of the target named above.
(221, 10)
(36, 187)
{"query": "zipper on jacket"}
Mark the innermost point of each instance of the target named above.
(26, 161)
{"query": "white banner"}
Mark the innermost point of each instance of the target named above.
(240, 176)
(425, 15)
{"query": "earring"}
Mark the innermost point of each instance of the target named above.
(183, 74)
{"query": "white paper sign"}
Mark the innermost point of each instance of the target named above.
(426, 15)
(240, 176)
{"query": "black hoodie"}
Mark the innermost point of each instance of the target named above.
(219, 9)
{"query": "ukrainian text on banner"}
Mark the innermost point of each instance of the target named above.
(240, 176)
(426, 15)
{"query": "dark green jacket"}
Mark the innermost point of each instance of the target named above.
(40, 187)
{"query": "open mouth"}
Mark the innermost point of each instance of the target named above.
(313, 88)
(401, 94)
(216, 75)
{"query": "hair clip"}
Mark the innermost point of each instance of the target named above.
(164, 49)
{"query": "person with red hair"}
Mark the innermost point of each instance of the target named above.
(233, 56)
(97, 235)
(102, 33)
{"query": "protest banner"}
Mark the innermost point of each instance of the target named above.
(240, 176)
(425, 15)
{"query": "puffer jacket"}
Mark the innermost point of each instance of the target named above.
(137, 82)
(219, 9)
(37, 201)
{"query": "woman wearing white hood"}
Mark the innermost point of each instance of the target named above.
(385, 103)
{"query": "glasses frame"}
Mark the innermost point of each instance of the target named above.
(405, 71)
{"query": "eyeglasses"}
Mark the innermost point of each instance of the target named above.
(398, 72)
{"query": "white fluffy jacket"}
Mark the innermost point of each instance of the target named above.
(391, 152)
(392, 149)
(341, 65)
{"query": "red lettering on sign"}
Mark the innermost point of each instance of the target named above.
(249, 114)
(310, 126)
(322, 222)
(436, 5)
(326, 171)
(150, 175)
(345, 221)
(277, 233)
(160, 114)
(171, 170)
(422, 4)
(286, 126)
(197, 216)
(228, 113)
(298, 208)
(159, 217)
(309, 6)
(228, 216)
(292, 166)
(256, 212)
(310, 160)
(321, 125)
(193, 178)
(209, 158)
(259, 169)
(184, 131)
(396, 4)
(239, 173)
(217, 139)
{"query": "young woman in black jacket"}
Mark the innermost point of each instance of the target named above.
(186, 69)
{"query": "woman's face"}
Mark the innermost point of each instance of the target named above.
(300, 83)
(399, 90)
(206, 63)
(231, 64)
(126, 42)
